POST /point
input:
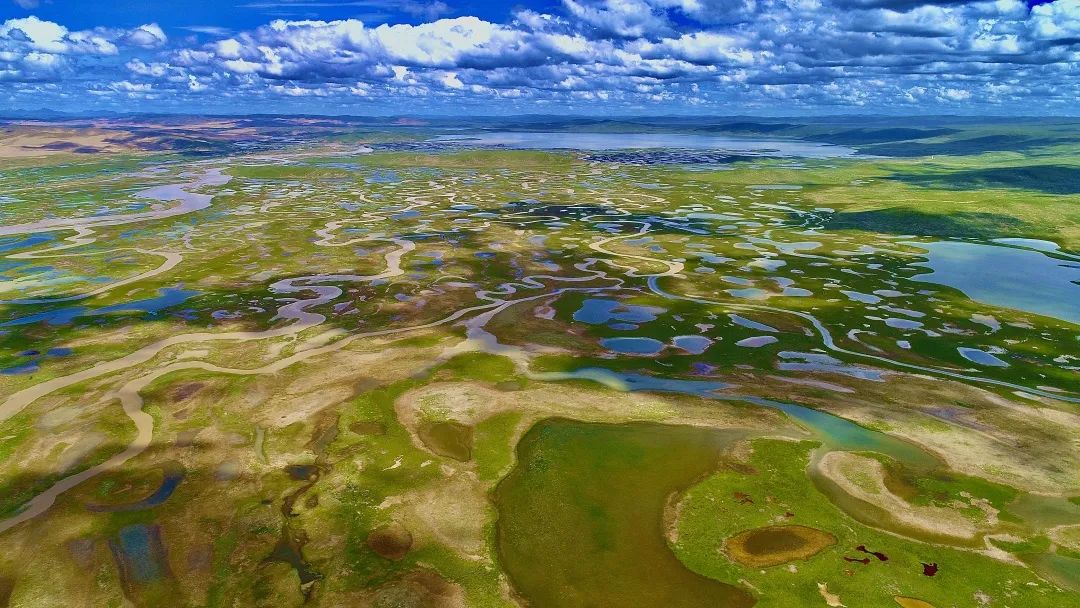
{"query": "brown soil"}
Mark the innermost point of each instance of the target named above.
(186, 390)
(420, 588)
(367, 427)
(391, 541)
(775, 545)
(449, 439)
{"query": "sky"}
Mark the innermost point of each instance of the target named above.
(571, 57)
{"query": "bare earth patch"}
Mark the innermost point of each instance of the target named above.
(775, 545)
(864, 478)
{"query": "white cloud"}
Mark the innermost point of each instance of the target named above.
(622, 18)
(701, 48)
(41, 35)
(211, 30)
(1057, 20)
(43, 61)
(228, 48)
(131, 87)
(147, 36)
(921, 21)
(33, 48)
(871, 53)
(450, 81)
(297, 91)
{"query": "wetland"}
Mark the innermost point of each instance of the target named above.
(490, 367)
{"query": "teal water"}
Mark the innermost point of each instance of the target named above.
(832, 430)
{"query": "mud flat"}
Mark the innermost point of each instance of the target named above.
(775, 545)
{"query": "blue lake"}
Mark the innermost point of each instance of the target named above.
(140, 548)
(171, 479)
(23, 368)
(749, 324)
(11, 243)
(981, 357)
(695, 345)
(383, 177)
(598, 311)
(641, 141)
(167, 297)
(633, 346)
(1006, 276)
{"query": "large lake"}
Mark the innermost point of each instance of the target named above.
(1006, 276)
(640, 141)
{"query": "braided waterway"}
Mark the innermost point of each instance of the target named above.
(623, 267)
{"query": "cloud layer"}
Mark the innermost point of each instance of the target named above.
(724, 56)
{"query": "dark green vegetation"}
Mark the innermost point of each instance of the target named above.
(908, 221)
(1050, 179)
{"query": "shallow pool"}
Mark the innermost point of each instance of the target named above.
(633, 345)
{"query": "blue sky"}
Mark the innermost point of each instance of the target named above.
(598, 57)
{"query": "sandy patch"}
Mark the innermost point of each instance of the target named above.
(468, 403)
(452, 513)
(830, 598)
(864, 478)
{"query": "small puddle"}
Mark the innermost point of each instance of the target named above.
(981, 357)
(695, 345)
(140, 557)
(172, 474)
(633, 345)
(450, 439)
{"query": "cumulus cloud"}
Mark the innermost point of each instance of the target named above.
(147, 36)
(621, 18)
(897, 5)
(931, 21)
(720, 11)
(36, 34)
(872, 54)
(348, 48)
(32, 48)
(1058, 21)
